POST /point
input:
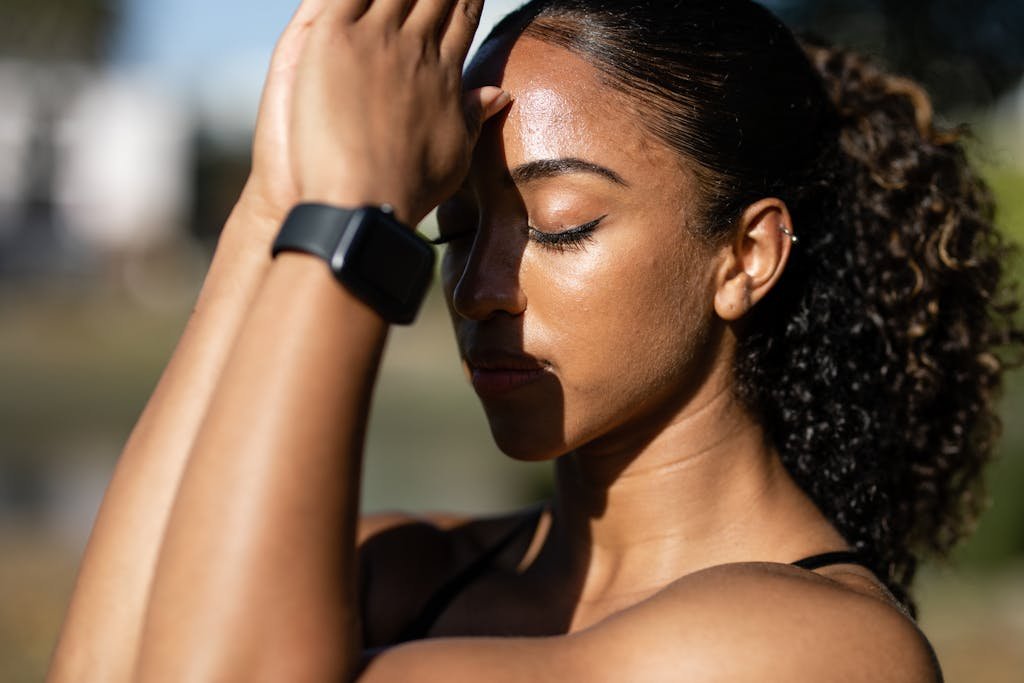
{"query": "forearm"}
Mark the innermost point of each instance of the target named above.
(256, 576)
(100, 636)
(269, 486)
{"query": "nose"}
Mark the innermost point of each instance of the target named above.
(487, 278)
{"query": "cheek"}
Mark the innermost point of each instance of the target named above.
(624, 319)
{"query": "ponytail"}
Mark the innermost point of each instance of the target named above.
(872, 364)
(878, 386)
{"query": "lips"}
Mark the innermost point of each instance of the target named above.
(496, 373)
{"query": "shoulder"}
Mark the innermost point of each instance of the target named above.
(405, 558)
(766, 621)
(742, 622)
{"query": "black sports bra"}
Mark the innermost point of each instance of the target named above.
(446, 594)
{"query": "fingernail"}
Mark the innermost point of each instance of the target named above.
(500, 102)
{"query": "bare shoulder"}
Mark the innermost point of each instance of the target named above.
(741, 622)
(405, 558)
(734, 622)
(766, 621)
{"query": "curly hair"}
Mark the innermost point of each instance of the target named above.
(874, 363)
(875, 367)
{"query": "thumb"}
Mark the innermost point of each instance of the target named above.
(481, 104)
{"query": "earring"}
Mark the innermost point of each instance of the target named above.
(789, 233)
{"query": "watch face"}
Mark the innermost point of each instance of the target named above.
(387, 259)
(386, 264)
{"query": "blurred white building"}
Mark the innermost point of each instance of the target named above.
(123, 164)
(90, 160)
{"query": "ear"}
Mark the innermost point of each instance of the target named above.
(755, 259)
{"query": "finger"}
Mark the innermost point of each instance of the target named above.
(391, 13)
(290, 43)
(481, 104)
(346, 11)
(427, 17)
(462, 26)
(292, 40)
(307, 11)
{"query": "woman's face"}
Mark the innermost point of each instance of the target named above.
(582, 306)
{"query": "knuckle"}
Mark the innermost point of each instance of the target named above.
(427, 51)
(416, 53)
(471, 11)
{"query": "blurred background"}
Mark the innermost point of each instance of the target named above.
(124, 132)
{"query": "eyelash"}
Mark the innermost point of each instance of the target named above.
(570, 239)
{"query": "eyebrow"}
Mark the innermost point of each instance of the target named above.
(550, 168)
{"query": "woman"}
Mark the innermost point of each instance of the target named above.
(748, 300)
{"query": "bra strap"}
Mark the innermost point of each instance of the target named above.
(834, 557)
(446, 594)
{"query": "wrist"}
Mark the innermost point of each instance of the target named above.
(254, 218)
(379, 260)
(403, 207)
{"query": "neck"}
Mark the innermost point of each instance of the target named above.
(700, 488)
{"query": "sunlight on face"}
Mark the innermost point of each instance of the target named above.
(582, 305)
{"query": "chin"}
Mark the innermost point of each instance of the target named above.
(528, 441)
(528, 423)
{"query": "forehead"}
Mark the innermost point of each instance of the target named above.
(561, 108)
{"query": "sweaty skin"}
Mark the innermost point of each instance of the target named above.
(662, 556)
(636, 363)
(666, 475)
(630, 307)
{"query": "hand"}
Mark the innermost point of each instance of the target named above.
(377, 109)
(271, 189)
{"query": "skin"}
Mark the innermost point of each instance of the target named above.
(227, 543)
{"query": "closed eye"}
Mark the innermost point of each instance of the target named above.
(574, 238)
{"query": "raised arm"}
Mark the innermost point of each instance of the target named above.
(256, 577)
(100, 636)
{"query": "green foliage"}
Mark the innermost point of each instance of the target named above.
(1008, 186)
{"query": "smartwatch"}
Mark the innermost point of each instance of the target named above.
(382, 262)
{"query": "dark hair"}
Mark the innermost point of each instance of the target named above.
(872, 363)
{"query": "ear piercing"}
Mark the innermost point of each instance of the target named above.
(789, 233)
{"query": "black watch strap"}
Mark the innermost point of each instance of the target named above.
(384, 263)
(313, 228)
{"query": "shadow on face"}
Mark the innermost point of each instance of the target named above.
(570, 266)
(581, 304)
